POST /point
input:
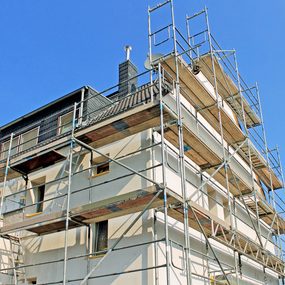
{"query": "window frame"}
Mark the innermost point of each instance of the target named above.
(98, 164)
(21, 143)
(39, 191)
(59, 124)
(95, 250)
(3, 150)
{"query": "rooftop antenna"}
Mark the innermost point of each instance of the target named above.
(128, 49)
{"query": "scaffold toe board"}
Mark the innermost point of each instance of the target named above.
(40, 224)
(197, 94)
(268, 176)
(236, 183)
(120, 205)
(266, 212)
(122, 125)
(195, 149)
(238, 241)
(219, 230)
(228, 89)
(108, 208)
(250, 154)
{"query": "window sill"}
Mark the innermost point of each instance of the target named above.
(99, 174)
(33, 214)
(96, 256)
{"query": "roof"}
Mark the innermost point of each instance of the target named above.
(141, 96)
(54, 102)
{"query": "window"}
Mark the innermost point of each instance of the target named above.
(102, 168)
(65, 123)
(29, 139)
(100, 165)
(5, 147)
(39, 194)
(32, 280)
(99, 238)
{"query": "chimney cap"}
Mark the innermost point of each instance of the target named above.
(128, 49)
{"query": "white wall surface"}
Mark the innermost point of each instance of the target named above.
(50, 247)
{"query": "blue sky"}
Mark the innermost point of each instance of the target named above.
(51, 47)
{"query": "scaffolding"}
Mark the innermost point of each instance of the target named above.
(178, 107)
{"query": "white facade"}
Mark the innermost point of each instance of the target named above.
(50, 247)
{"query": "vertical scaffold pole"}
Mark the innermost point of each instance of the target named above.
(164, 179)
(181, 154)
(236, 254)
(218, 99)
(220, 124)
(258, 231)
(6, 174)
(150, 50)
(70, 156)
(156, 275)
(282, 180)
(273, 200)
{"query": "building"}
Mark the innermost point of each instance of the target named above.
(165, 178)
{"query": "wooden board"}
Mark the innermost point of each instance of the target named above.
(260, 165)
(227, 89)
(266, 212)
(265, 174)
(236, 183)
(232, 132)
(134, 202)
(119, 127)
(249, 153)
(119, 205)
(41, 222)
(217, 229)
(197, 95)
(199, 152)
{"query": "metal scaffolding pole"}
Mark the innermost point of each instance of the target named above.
(6, 174)
(258, 233)
(70, 170)
(272, 190)
(165, 204)
(181, 154)
(219, 104)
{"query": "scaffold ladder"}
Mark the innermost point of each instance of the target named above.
(17, 259)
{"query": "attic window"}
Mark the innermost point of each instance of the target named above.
(100, 165)
(29, 139)
(65, 123)
(5, 147)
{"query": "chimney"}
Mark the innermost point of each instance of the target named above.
(127, 70)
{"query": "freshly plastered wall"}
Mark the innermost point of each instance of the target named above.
(5, 262)
(50, 248)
